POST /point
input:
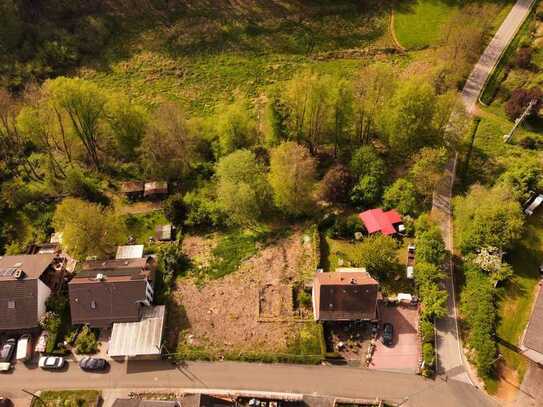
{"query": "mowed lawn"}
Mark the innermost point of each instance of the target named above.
(418, 24)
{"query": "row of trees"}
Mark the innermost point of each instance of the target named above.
(428, 274)
(489, 222)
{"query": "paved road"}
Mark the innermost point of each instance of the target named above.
(493, 52)
(450, 356)
(316, 380)
(449, 350)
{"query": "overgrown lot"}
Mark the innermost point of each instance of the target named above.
(220, 317)
(80, 398)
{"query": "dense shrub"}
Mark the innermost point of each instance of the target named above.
(523, 58)
(336, 184)
(402, 196)
(175, 210)
(203, 210)
(346, 227)
(520, 99)
(488, 217)
(430, 246)
(478, 310)
(86, 342)
(426, 330)
(171, 263)
(79, 185)
(366, 192)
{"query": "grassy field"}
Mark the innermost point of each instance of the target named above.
(418, 24)
(517, 297)
(209, 53)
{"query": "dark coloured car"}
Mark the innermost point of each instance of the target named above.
(5, 402)
(388, 334)
(8, 349)
(93, 364)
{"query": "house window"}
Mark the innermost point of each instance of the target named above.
(11, 304)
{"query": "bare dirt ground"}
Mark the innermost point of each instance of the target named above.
(223, 313)
(508, 385)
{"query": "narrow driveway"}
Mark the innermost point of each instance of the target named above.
(493, 52)
(312, 380)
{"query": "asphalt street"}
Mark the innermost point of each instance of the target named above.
(410, 389)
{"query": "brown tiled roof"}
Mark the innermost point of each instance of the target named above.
(23, 296)
(345, 296)
(101, 303)
(131, 186)
(533, 337)
(33, 265)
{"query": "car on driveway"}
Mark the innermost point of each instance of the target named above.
(388, 334)
(51, 362)
(7, 350)
(5, 367)
(93, 364)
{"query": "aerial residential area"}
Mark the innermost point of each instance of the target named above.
(271, 203)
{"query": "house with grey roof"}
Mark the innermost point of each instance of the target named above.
(104, 292)
(26, 282)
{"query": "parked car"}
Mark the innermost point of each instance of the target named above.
(7, 350)
(388, 334)
(5, 402)
(5, 367)
(93, 364)
(51, 362)
(24, 348)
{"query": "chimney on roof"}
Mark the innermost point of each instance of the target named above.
(19, 274)
(100, 277)
(353, 281)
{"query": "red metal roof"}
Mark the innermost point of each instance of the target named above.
(375, 220)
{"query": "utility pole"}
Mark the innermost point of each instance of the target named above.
(527, 111)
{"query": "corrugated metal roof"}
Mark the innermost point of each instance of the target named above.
(138, 338)
(133, 251)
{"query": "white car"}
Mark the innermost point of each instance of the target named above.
(51, 362)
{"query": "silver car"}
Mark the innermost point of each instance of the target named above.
(51, 362)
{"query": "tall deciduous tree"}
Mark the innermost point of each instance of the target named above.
(309, 107)
(127, 122)
(373, 89)
(427, 170)
(82, 103)
(488, 217)
(409, 120)
(235, 127)
(88, 229)
(242, 188)
(378, 254)
(292, 178)
(168, 149)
